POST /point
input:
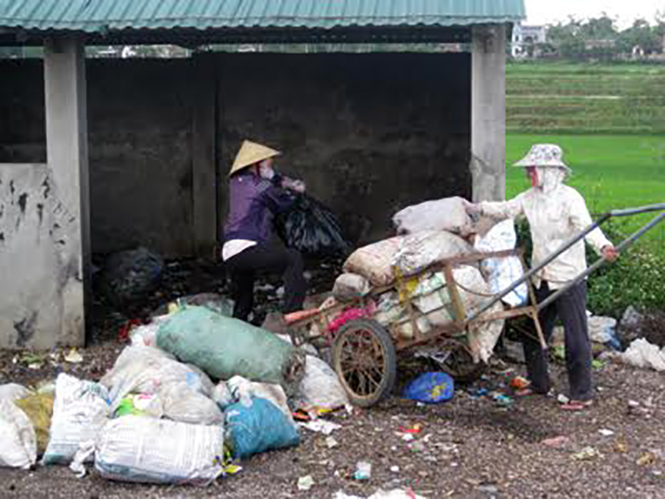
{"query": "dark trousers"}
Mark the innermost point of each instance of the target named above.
(571, 309)
(266, 259)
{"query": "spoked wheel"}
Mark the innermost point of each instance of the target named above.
(457, 361)
(364, 359)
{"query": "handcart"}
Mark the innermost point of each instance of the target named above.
(364, 352)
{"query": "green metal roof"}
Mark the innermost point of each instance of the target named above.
(107, 16)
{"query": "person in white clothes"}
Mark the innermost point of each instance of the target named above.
(555, 212)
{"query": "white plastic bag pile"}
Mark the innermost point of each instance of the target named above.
(19, 443)
(644, 355)
(184, 390)
(446, 214)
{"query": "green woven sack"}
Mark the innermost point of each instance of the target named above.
(224, 347)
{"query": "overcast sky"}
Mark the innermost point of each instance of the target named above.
(625, 11)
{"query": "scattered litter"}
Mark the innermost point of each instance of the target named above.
(597, 364)
(556, 442)
(502, 399)
(140, 449)
(431, 388)
(621, 446)
(646, 459)
(562, 399)
(417, 428)
(305, 482)
(633, 403)
(321, 426)
(19, 444)
(417, 446)
(519, 383)
(587, 454)
(381, 494)
(606, 433)
(363, 471)
(74, 357)
(394, 469)
(407, 437)
(331, 442)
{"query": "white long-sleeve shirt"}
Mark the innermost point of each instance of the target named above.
(554, 217)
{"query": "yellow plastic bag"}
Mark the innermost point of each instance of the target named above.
(39, 409)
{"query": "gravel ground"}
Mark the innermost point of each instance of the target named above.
(469, 447)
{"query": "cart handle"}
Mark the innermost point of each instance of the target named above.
(572, 241)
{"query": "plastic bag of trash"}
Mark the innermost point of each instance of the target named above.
(140, 449)
(431, 388)
(39, 409)
(19, 444)
(311, 228)
(644, 355)
(13, 391)
(79, 412)
(603, 330)
(242, 390)
(351, 286)
(225, 347)
(131, 275)
(320, 387)
(260, 427)
(144, 335)
(410, 254)
(446, 214)
(183, 404)
(142, 369)
(140, 404)
(502, 272)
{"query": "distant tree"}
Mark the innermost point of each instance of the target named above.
(642, 35)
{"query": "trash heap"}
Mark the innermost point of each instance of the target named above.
(193, 394)
(429, 233)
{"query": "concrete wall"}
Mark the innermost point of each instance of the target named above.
(39, 270)
(370, 133)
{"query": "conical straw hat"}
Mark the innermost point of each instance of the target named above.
(250, 153)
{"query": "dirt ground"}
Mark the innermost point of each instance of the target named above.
(470, 447)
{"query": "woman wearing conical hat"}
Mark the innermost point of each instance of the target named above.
(556, 213)
(256, 194)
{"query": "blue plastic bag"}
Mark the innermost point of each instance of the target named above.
(258, 428)
(431, 388)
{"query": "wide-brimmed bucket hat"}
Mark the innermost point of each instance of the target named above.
(250, 153)
(544, 155)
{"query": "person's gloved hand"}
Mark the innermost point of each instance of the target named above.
(471, 208)
(610, 253)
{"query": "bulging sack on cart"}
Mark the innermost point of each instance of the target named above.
(311, 228)
(80, 410)
(410, 254)
(19, 444)
(320, 387)
(502, 272)
(447, 214)
(143, 449)
(259, 427)
(349, 286)
(225, 347)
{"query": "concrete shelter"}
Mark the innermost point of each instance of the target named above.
(369, 133)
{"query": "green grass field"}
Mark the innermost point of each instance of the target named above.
(611, 172)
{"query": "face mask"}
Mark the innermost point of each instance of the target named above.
(266, 172)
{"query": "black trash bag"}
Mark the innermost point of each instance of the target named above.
(131, 275)
(312, 229)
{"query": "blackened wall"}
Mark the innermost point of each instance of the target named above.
(369, 133)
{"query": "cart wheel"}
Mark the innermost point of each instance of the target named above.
(460, 365)
(364, 359)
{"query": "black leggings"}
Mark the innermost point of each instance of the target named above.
(571, 309)
(266, 259)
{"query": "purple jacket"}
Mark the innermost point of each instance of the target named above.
(253, 202)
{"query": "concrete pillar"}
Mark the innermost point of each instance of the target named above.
(67, 159)
(488, 113)
(204, 136)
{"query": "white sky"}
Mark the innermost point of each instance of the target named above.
(623, 11)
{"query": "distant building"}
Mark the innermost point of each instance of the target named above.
(526, 38)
